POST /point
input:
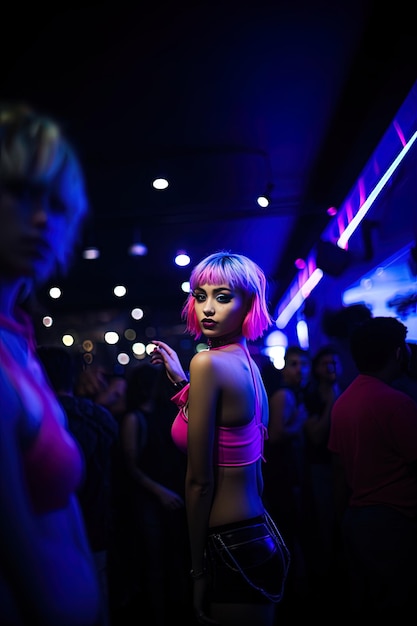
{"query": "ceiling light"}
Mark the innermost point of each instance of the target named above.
(368, 202)
(137, 313)
(265, 199)
(139, 348)
(138, 248)
(123, 358)
(55, 292)
(111, 337)
(160, 183)
(182, 258)
(68, 340)
(90, 250)
(120, 291)
(91, 253)
(297, 300)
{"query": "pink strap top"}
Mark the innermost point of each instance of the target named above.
(236, 445)
(52, 462)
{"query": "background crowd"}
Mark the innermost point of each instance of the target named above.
(98, 535)
(146, 542)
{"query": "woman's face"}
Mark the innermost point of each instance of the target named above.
(33, 228)
(219, 309)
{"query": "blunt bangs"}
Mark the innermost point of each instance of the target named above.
(238, 272)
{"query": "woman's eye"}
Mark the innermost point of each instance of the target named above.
(223, 298)
(199, 297)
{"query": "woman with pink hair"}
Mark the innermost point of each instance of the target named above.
(239, 559)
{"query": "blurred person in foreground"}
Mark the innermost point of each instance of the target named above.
(239, 560)
(97, 433)
(47, 573)
(373, 438)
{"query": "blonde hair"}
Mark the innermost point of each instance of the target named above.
(34, 149)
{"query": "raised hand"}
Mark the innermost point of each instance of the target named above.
(165, 355)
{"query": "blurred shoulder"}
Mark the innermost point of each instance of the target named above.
(95, 414)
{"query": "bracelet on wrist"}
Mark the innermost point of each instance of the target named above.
(197, 575)
(180, 384)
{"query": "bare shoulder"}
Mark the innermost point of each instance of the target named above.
(214, 364)
(202, 361)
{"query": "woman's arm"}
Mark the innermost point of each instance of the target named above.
(199, 488)
(199, 482)
(131, 449)
(281, 408)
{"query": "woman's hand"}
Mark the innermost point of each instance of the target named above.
(169, 499)
(165, 355)
(199, 593)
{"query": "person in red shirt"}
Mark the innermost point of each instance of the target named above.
(373, 440)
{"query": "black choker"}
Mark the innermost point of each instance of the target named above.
(222, 342)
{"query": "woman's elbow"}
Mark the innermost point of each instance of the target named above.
(198, 485)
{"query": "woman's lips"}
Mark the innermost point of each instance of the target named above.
(209, 324)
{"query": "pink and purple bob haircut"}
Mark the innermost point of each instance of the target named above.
(238, 272)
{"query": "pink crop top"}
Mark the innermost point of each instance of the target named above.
(52, 462)
(236, 445)
(53, 465)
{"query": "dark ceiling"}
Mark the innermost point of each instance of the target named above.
(224, 98)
